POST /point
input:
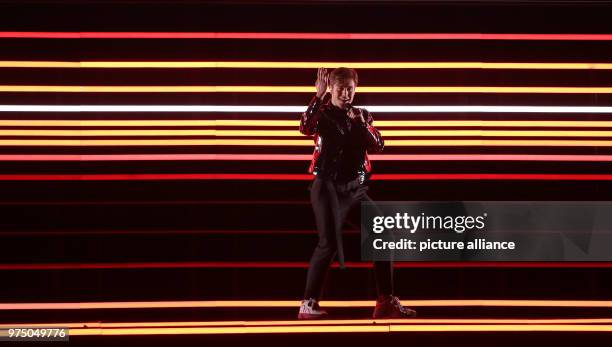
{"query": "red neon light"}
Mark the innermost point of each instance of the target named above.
(304, 36)
(538, 177)
(147, 177)
(304, 157)
(304, 177)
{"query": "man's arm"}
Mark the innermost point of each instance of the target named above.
(309, 122)
(374, 141)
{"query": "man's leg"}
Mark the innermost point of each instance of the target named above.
(383, 270)
(387, 305)
(325, 206)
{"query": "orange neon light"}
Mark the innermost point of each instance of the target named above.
(302, 65)
(343, 329)
(295, 123)
(301, 142)
(295, 133)
(292, 303)
(318, 322)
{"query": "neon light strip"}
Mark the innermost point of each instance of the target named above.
(326, 322)
(305, 157)
(229, 327)
(544, 177)
(147, 177)
(330, 322)
(143, 123)
(164, 142)
(296, 133)
(302, 177)
(304, 36)
(291, 265)
(156, 132)
(295, 123)
(133, 157)
(297, 89)
(293, 303)
(299, 109)
(305, 142)
(380, 328)
(485, 143)
(316, 322)
(301, 65)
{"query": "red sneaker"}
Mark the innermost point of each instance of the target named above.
(389, 306)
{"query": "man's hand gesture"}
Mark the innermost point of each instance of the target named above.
(322, 82)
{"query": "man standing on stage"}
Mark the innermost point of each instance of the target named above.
(343, 136)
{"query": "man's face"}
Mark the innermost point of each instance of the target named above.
(342, 93)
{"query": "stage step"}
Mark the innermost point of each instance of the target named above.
(232, 283)
(425, 311)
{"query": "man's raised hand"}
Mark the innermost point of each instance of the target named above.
(322, 82)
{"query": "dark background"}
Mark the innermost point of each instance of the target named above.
(248, 221)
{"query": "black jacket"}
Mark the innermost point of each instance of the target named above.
(341, 144)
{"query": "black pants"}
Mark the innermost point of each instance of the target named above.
(331, 203)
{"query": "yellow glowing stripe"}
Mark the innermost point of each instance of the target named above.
(295, 123)
(397, 133)
(496, 133)
(362, 322)
(295, 133)
(366, 321)
(341, 329)
(502, 327)
(166, 142)
(296, 89)
(484, 123)
(147, 123)
(307, 142)
(411, 321)
(233, 330)
(305, 65)
(294, 303)
(45, 64)
(108, 123)
(156, 132)
(370, 321)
